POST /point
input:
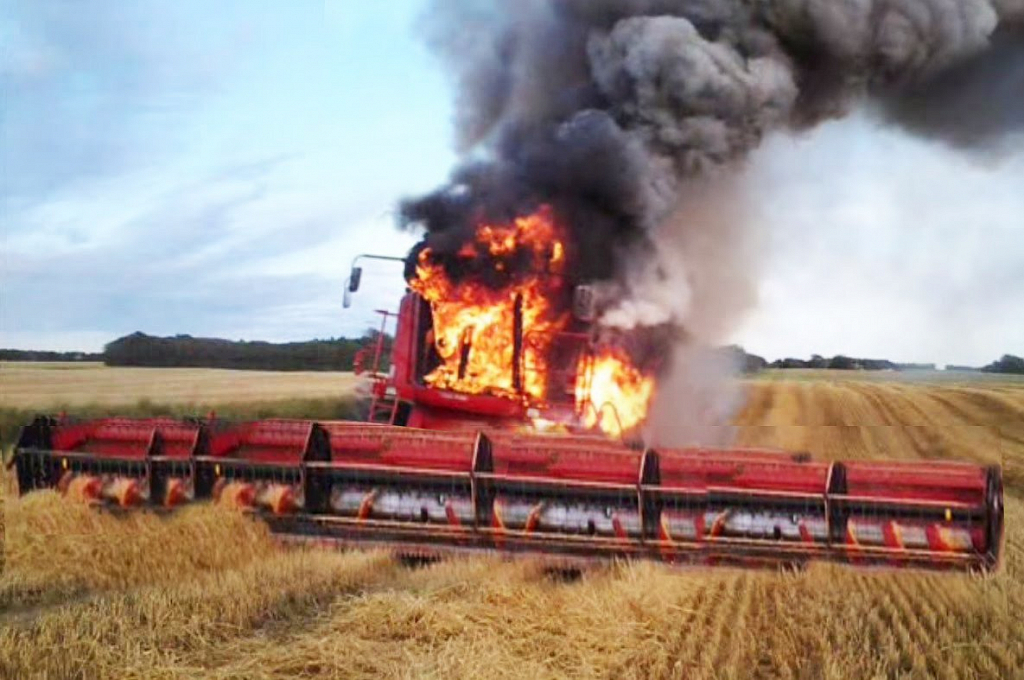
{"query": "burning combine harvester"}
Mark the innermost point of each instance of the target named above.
(510, 420)
(498, 321)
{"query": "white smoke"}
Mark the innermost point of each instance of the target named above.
(702, 277)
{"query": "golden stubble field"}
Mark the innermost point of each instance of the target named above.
(27, 385)
(206, 593)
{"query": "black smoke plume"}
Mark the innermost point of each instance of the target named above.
(604, 108)
(626, 115)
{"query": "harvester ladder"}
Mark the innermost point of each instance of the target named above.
(384, 408)
(383, 400)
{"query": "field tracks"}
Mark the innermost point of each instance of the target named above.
(726, 647)
(204, 594)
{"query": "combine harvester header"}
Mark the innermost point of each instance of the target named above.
(510, 420)
(424, 491)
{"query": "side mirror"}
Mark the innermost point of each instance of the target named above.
(346, 299)
(583, 303)
(354, 278)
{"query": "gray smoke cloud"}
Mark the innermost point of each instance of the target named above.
(632, 118)
(976, 103)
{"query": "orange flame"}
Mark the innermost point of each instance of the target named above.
(474, 323)
(612, 393)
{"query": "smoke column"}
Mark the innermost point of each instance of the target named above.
(633, 118)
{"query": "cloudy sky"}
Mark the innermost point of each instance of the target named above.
(212, 169)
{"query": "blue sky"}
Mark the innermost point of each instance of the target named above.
(212, 168)
(173, 169)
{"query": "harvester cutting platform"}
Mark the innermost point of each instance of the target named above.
(507, 422)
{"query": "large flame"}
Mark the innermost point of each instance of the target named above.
(510, 269)
(612, 393)
(474, 324)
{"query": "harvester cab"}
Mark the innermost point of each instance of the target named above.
(441, 380)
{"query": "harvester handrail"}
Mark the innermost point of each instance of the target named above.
(555, 481)
(892, 500)
(731, 491)
(372, 467)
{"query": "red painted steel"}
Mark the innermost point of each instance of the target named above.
(907, 482)
(178, 440)
(565, 458)
(697, 470)
(739, 453)
(281, 442)
(403, 353)
(604, 497)
(108, 438)
(367, 444)
(481, 404)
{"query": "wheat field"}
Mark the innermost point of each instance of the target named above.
(206, 593)
(64, 384)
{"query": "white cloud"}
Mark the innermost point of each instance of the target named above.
(885, 245)
(213, 181)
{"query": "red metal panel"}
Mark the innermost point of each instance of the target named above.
(700, 469)
(564, 457)
(178, 439)
(428, 418)
(367, 444)
(931, 481)
(404, 349)
(106, 438)
(281, 442)
(483, 404)
(738, 454)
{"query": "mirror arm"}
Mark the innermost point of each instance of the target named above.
(355, 274)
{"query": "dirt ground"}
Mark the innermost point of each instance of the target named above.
(205, 593)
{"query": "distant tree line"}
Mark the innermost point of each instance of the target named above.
(841, 362)
(335, 354)
(1008, 364)
(339, 354)
(35, 355)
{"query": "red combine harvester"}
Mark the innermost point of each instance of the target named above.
(440, 467)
